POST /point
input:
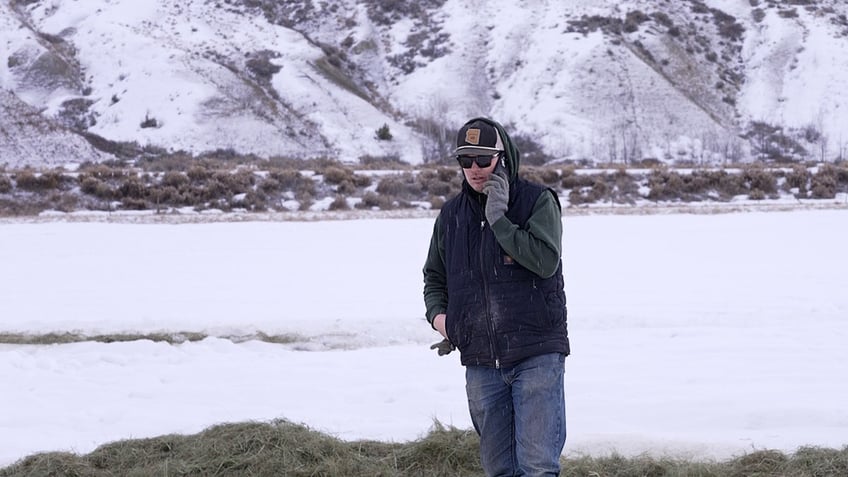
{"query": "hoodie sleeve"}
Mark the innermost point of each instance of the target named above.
(537, 248)
(435, 275)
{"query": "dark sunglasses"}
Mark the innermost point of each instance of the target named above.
(482, 161)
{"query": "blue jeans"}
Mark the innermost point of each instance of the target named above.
(519, 413)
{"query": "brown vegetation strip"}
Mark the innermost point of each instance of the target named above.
(171, 338)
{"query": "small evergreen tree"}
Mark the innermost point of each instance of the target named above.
(383, 133)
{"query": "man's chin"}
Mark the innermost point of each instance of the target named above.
(476, 183)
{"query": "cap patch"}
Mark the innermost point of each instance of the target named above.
(472, 136)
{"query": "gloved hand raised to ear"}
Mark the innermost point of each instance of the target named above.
(497, 192)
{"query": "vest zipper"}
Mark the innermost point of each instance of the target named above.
(491, 325)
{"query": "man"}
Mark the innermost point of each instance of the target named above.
(493, 288)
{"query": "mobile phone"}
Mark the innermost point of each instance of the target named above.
(500, 167)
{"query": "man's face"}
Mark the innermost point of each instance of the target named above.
(477, 176)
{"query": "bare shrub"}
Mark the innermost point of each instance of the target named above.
(433, 182)
(587, 195)
(698, 183)
(449, 174)
(5, 184)
(213, 190)
(361, 180)
(287, 178)
(573, 180)
(727, 25)
(624, 188)
(260, 66)
(306, 202)
(437, 202)
(402, 186)
(175, 179)
(291, 180)
(14, 208)
(391, 162)
(759, 178)
(132, 188)
(664, 185)
(550, 177)
(95, 187)
(27, 180)
(177, 161)
(305, 188)
(840, 171)
(280, 162)
(346, 187)
(790, 13)
(33, 182)
(238, 182)
(255, 201)
(633, 19)
(542, 175)
(532, 175)
(824, 183)
(64, 202)
(339, 203)
(798, 178)
(372, 200)
(757, 194)
(730, 185)
(336, 175)
(662, 19)
(198, 174)
(163, 196)
(270, 185)
(133, 203)
(391, 186)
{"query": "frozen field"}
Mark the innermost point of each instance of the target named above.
(693, 335)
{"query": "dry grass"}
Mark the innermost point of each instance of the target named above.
(279, 448)
(283, 448)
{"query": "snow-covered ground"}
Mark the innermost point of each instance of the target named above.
(693, 335)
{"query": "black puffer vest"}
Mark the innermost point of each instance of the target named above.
(499, 312)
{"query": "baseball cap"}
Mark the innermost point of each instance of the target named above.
(477, 138)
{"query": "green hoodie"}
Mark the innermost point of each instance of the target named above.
(537, 247)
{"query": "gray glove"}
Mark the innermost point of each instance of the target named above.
(444, 347)
(497, 191)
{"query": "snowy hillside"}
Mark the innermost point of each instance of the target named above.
(605, 80)
(26, 137)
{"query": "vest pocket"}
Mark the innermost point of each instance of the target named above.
(458, 321)
(456, 326)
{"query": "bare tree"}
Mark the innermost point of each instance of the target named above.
(438, 138)
(822, 138)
